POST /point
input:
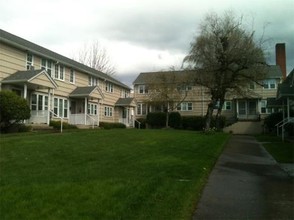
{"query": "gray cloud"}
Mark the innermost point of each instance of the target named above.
(147, 24)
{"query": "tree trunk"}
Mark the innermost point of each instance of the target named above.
(208, 115)
(166, 120)
(219, 112)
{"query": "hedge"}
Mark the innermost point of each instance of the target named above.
(156, 119)
(109, 125)
(56, 125)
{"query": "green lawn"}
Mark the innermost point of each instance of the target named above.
(105, 174)
(283, 152)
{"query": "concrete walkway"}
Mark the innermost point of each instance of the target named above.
(246, 183)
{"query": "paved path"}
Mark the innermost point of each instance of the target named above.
(246, 183)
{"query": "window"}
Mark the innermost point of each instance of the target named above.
(142, 89)
(109, 87)
(92, 109)
(92, 81)
(227, 105)
(125, 93)
(252, 85)
(60, 107)
(264, 109)
(59, 72)
(185, 106)
(39, 102)
(72, 76)
(108, 111)
(184, 87)
(269, 84)
(30, 61)
(46, 65)
(141, 109)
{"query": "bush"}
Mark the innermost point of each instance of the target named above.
(222, 122)
(273, 119)
(156, 119)
(175, 120)
(198, 122)
(142, 123)
(193, 122)
(13, 109)
(56, 125)
(108, 125)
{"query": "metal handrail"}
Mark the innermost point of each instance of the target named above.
(93, 120)
(139, 127)
(282, 123)
(61, 120)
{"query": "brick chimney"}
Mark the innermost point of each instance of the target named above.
(281, 58)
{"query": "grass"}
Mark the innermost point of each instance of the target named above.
(283, 152)
(105, 174)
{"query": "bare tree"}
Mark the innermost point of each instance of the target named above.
(226, 58)
(168, 90)
(95, 56)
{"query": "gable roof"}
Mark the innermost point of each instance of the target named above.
(182, 76)
(85, 91)
(26, 45)
(164, 77)
(28, 76)
(125, 102)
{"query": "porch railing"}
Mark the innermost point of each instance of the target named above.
(281, 124)
(61, 120)
(81, 119)
(92, 120)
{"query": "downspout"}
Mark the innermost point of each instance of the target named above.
(86, 109)
(49, 106)
(98, 113)
(202, 97)
(25, 91)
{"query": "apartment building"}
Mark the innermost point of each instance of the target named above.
(193, 99)
(58, 87)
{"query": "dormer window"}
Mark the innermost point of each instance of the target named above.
(269, 84)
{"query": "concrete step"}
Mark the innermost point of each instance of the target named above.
(245, 127)
(40, 127)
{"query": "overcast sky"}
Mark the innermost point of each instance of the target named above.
(141, 35)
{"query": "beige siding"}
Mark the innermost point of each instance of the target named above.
(11, 60)
(42, 80)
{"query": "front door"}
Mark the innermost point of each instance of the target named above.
(247, 109)
(242, 108)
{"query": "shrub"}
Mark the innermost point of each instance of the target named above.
(109, 125)
(198, 122)
(56, 125)
(175, 120)
(273, 119)
(142, 123)
(193, 122)
(156, 119)
(13, 109)
(222, 122)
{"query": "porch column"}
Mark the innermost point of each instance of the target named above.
(237, 108)
(25, 91)
(86, 109)
(98, 113)
(288, 108)
(49, 106)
